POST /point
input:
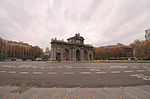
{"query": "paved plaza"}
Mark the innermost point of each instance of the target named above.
(138, 92)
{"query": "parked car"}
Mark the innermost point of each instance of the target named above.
(28, 60)
(7, 60)
(38, 59)
(18, 60)
(13, 59)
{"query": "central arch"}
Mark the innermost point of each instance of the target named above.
(77, 55)
(58, 58)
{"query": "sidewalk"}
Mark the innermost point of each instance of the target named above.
(138, 92)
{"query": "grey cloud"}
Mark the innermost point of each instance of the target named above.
(101, 22)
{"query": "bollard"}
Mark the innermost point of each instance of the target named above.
(121, 97)
(66, 96)
(36, 97)
(76, 97)
(121, 87)
(103, 89)
(93, 97)
(49, 91)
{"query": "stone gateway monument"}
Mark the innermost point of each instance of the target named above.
(72, 50)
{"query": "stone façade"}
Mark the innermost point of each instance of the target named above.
(72, 50)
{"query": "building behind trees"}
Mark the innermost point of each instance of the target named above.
(141, 49)
(19, 50)
(113, 52)
(147, 34)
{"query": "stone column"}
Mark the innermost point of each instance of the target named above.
(88, 52)
(52, 55)
(92, 54)
(81, 54)
(74, 54)
(62, 53)
(53, 52)
(70, 54)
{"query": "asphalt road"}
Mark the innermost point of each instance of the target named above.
(68, 75)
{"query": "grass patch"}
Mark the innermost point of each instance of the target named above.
(103, 61)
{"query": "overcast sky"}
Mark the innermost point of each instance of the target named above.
(100, 22)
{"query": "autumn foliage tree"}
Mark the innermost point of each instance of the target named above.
(118, 51)
(2, 45)
(141, 49)
(35, 52)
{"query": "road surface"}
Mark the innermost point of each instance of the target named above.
(69, 75)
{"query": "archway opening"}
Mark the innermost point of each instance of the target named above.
(90, 57)
(85, 55)
(67, 54)
(77, 55)
(58, 57)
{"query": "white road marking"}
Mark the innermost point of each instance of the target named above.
(12, 72)
(68, 73)
(7, 66)
(134, 75)
(135, 67)
(115, 72)
(37, 73)
(146, 78)
(42, 67)
(59, 67)
(140, 70)
(3, 71)
(124, 67)
(50, 67)
(100, 72)
(94, 69)
(128, 71)
(24, 66)
(87, 67)
(118, 66)
(139, 76)
(145, 67)
(85, 72)
(34, 67)
(52, 73)
(24, 72)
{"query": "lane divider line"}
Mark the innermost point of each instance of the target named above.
(7, 66)
(52, 73)
(24, 72)
(67, 73)
(85, 72)
(3, 71)
(115, 72)
(37, 73)
(100, 72)
(128, 71)
(12, 72)
(140, 70)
